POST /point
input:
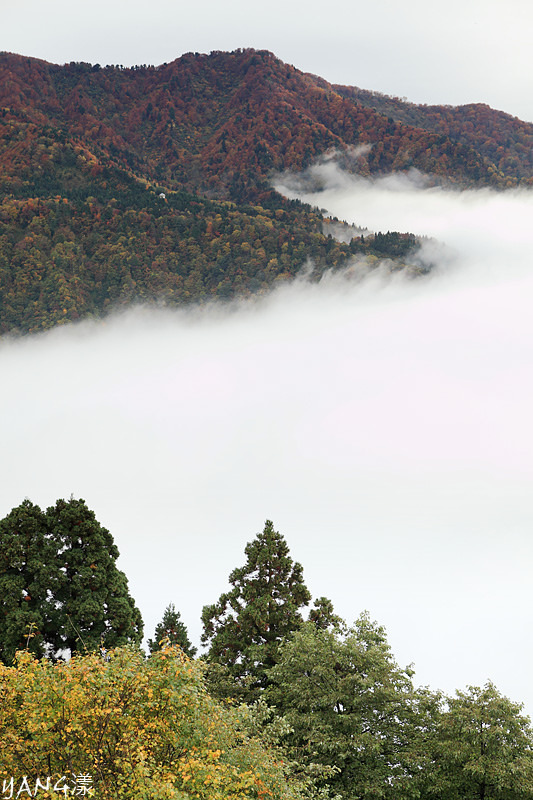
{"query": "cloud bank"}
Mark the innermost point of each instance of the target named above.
(384, 425)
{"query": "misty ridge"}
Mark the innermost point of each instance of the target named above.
(114, 196)
(392, 412)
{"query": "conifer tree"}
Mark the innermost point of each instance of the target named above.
(96, 607)
(60, 589)
(171, 628)
(245, 627)
(27, 581)
(323, 616)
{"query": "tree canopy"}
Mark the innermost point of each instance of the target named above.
(60, 588)
(353, 712)
(136, 727)
(171, 630)
(245, 628)
(483, 748)
(328, 714)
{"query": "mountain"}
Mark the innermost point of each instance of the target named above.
(505, 142)
(153, 183)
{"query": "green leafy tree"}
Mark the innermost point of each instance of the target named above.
(61, 588)
(484, 748)
(245, 628)
(355, 716)
(171, 630)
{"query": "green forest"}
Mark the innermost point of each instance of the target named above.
(287, 700)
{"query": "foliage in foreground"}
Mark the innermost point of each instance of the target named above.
(484, 748)
(357, 720)
(140, 728)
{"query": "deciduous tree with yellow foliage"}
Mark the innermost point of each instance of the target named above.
(140, 728)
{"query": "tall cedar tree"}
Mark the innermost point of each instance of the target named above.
(60, 589)
(172, 629)
(246, 627)
(28, 581)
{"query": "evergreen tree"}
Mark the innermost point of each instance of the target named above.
(60, 587)
(27, 581)
(171, 628)
(245, 627)
(323, 615)
(93, 594)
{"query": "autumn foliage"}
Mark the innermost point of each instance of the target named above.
(153, 184)
(504, 142)
(139, 727)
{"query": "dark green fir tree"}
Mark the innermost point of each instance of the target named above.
(28, 581)
(172, 630)
(245, 627)
(96, 607)
(60, 588)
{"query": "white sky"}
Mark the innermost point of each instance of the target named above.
(433, 52)
(385, 428)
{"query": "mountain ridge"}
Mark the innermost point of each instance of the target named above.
(154, 183)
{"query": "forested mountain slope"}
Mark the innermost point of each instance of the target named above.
(505, 141)
(87, 151)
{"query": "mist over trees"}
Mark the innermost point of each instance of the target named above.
(155, 184)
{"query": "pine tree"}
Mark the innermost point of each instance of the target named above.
(60, 589)
(323, 615)
(245, 627)
(171, 628)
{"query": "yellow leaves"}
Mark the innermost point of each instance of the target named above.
(130, 722)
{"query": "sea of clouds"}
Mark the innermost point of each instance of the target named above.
(383, 424)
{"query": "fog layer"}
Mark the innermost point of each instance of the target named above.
(383, 425)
